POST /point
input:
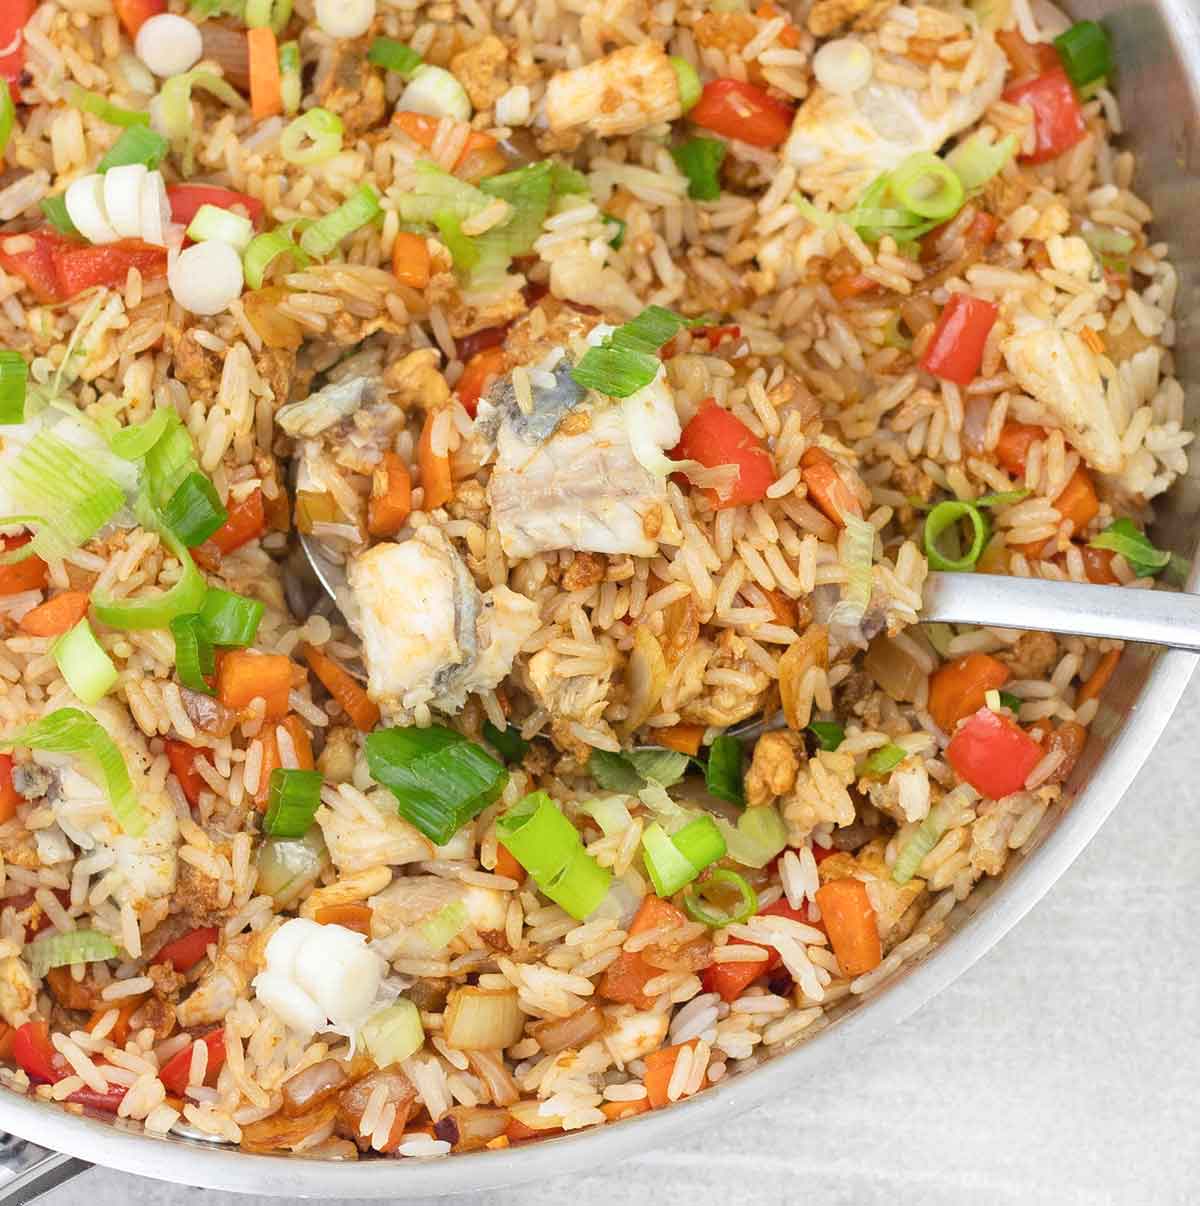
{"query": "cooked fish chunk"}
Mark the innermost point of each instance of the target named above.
(354, 846)
(402, 908)
(429, 635)
(225, 982)
(858, 136)
(633, 1033)
(624, 92)
(1060, 371)
(323, 409)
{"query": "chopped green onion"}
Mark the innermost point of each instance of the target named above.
(316, 135)
(829, 735)
(1085, 52)
(628, 773)
(1010, 701)
(194, 656)
(82, 661)
(138, 144)
(275, 13)
(292, 800)
(697, 901)
(549, 847)
(610, 813)
(723, 772)
(223, 225)
(75, 946)
(507, 742)
(928, 834)
(435, 191)
(688, 81)
(70, 731)
(700, 159)
(195, 511)
(669, 868)
(55, 211)
(230, 621)
(394, 1033)
(14, 379)
(291, 84)
(262, 252)
(621, 225)
(8, 117)
(394, 56)
(133, 442)
(324, 235)
(1005, 498)
(105, 110)
(943, 517)
(156, 611)
(439, 778)
(975, 161)
(170, 458)
(926, 186)
(886, 759)
(856, 547)
(628, 359)
(176, 100)
(462, 249)
(758, 837)
(1122, 536)
(700, 842)
(445, 925)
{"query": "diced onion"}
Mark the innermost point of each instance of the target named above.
(433, 90)
(394, 1033)
(83, 662)
(345, 18)
(843, 66)
(61, 950)
(287, 868)
(168, 44)
(206, 278)
(156, 210)
(222, 225)
(482, 1019)
(85, 205)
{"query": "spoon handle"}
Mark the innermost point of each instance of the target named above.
(1154, 617)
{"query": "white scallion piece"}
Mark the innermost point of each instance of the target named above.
(169, 45)
(843, 66)
(156, 210)
(206, 277)
(433, 90)
(123, 188)
(85, 205)
(212, 223)
(345, 18)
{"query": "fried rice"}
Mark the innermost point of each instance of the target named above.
(526, 581)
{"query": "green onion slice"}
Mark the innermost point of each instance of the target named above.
(55, 211)
(61, 950)
(924, 185)
(721, 883)
(828, 734)
(8, 117)
(292, 800)
(975, 161)
(928, 834)
(14, 379)
(1122, 536)
(98, 106)
(1085, 52)
(688, 81)
(439, 778)
(71, 731)
(610, 813)
(700, 842)
(1005, 498)
(758, 837)
(170, 458)
(275, 13)
(507, 742)
(230, 621)
(723, 772)
(669, 868)
(83, 662)
(326, 233)
(700, 159)
(156, 611)
(263, 251)
(213, 222)
(942, 518)
(291, 86)
(138, 144)
(394, 1033)
(195, 511)
(194, 656)
(462, 248)
(394, 56)
(316, 135)
(620, 225)
(881, 761)
(628, 359)
(445, 925)
(134, 442)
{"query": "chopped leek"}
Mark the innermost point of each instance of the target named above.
(316, 135)
(14, 379)
(975, 161)
(1010, 701)
(1085, 52)
(758, 837)
(619, 234)
(263, 251)
(394, 56)
(105, 110)
(394, 1033)
(291, 84)
(927, 187)
(228, 620)
(194, 656)
(71, 731)
(156, 611)
(698, 902)
(507, 742)
(856, 547)
(669, 868)
(138, 144)
(223, 225)
(324, 235)
(175, 98)
(133, 442)
(885, 759)
(292, 800)
(700, 159)
(1122, 536)
(942, 519)
(723, 772)
(82, 661)
(8, 117)
(195, 511)
(628, 359)
(700, 842)
(439, 778)
(445, 925)
(75, 946)
(462, 250)
(688, 81)
(928, 834)
(828, 734)
(628, 773)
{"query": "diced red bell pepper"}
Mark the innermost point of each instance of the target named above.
(182, 758)
(30, 573)
(717, 437)
(481, 370)
(186, 200)
(35, 265)
(247, 521)
(81, 266)
(956, 350)
(1027, 59)
(174, 1073)
(14, 16)
(1057, 117)
(108, 1102)
(35, 1054)
(185, 952)
(993, 754)
(734, 109)
(730, 980)
(133, 14)
(1012, 448)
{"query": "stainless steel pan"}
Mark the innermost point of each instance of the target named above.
(1158, 51)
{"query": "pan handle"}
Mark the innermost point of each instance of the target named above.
(28, 1171)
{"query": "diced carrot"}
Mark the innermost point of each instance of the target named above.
(1099, 679)
(849, 920)
(958, 688)
(730, 980)
(481, 370)
(518, 1132)
(615, 1110)
(125, 1008)
(506, 864)
(435, 470)
(243, 676)
(19, 576)
(269, 744)
(356, 917)
(1093, 339)
(391, 497)
(182, 758)
(1077, 502)
(9, 796)
(682, 738)
(133, 14)
(353, 699)
(625, 979)
(7, 1040)
(657, 1077)
(410, 260)
(789, 35)
(1097, 565)
(266, 95)
(247, 521)
(301, 741)
(481, 155)
(853, 285)
(56, 615)
(826, 487)
(1013, 445)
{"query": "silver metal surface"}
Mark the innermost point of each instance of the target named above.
(329, 574)
(1158, 52)
(28, 1170)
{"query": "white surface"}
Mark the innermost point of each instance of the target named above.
(1064, 1068)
